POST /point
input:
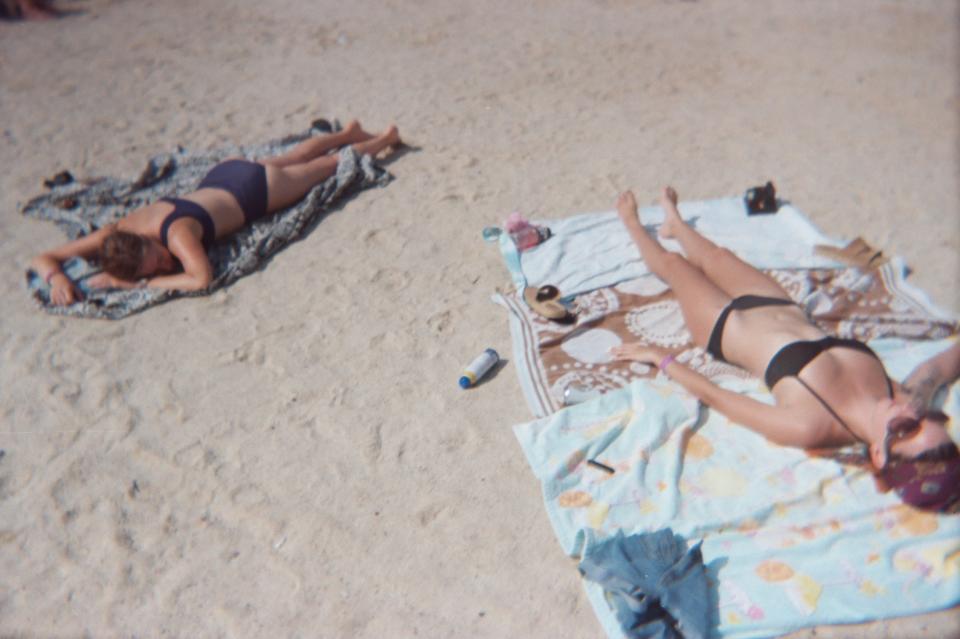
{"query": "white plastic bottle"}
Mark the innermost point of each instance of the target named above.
(478, 368)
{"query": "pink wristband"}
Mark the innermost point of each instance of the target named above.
(666, 361)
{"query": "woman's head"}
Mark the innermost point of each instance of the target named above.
(130, 256)
(918, 459)
(930, 481)
(898, 428)
(122, 254)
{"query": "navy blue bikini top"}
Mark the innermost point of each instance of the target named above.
(186, 208)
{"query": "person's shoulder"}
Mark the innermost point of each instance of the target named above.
(145, 220)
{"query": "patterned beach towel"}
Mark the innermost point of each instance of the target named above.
(789, 540)
(551, 357)
(793, 540)
(79, 209)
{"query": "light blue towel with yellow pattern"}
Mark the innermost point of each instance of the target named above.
(799, 541)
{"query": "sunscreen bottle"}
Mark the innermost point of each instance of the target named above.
(478, 368)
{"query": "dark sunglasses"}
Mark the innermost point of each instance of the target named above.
(901, 428)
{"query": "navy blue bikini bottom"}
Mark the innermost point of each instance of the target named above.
(244, 180)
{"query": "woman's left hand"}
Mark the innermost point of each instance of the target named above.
(637, 352)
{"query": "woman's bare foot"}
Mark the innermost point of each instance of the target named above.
(392, 136)
(355, 133)
(353, 127)
(627, 209)
(671, 219)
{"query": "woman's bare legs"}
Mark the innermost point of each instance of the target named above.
(700, 299)
(287, 185)
(725, 269)
(320, 145)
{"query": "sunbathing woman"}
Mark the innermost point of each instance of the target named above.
(829, 392)
(164, 244)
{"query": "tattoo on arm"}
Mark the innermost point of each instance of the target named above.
(922, 389)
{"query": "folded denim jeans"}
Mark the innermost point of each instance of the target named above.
(656, 586)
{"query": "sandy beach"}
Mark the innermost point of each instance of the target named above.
(291, 456)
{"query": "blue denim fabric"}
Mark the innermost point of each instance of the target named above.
(655, 584)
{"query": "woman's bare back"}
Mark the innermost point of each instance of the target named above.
(223, 209)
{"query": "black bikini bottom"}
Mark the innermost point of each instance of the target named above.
(244, 180)
(738, 304)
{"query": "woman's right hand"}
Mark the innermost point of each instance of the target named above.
(63, 291)
(637, 352)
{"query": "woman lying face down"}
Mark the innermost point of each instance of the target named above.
(164, 244)
(130, 257)
(830, 392)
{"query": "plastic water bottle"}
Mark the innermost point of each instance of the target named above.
(529, 236)
(577, 395)
(478, 368)
(524, 234)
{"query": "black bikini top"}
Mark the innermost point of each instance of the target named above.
(793, 358)
(186, 208)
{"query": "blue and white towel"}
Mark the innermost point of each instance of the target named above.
(799, 541)
(592, 250)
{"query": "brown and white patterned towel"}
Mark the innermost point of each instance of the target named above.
(863, 304)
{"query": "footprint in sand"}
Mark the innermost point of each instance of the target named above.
(391, 278)
(439, 322)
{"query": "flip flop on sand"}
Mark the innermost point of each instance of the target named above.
(543, 302)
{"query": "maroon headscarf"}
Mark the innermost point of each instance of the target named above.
(929, 482)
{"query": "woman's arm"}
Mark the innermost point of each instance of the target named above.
(197, 271)
(196, 277)
(48, 264)
(783, 426)
(926, 379)
(188, 249)
(178, 282)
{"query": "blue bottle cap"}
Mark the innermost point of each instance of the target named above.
(464, 382)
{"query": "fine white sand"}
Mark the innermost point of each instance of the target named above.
(291, 457)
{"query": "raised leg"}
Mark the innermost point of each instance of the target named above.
(700, 299)
(727, 271)
(320, 145)
(289, 184)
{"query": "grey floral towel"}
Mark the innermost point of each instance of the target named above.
(79, 209)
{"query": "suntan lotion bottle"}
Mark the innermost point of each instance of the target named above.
(479, 367)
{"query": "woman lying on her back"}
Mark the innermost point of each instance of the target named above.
(829, 392)
(164, 244)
